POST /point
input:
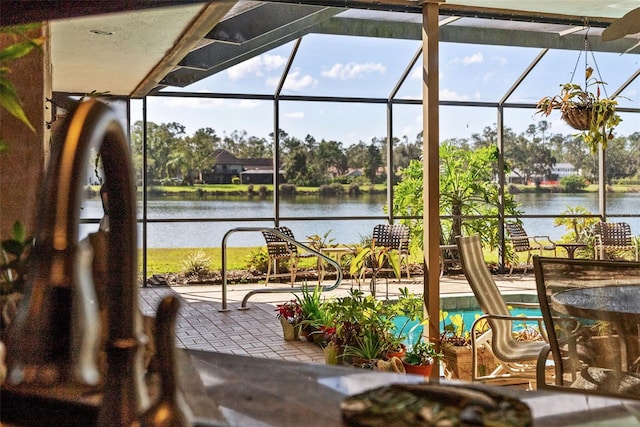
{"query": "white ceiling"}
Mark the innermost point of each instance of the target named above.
(115, 53)
(137, 49)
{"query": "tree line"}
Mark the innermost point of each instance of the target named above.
(173, 156)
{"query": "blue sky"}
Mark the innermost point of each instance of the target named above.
(358, 66)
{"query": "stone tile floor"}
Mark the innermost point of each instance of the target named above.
(256, 332)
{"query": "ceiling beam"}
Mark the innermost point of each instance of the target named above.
(208, 17)
(261, 20)
(457, 32)
(447, 9)
(217, 56)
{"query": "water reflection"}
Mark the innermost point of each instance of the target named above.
(210, 234)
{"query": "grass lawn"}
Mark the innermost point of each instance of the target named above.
(163, 261)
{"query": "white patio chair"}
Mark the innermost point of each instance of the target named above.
(516, 359)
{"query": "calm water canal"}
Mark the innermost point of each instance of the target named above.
(210, 234)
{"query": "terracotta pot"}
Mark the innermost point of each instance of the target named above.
(424, 370)
(397, 353)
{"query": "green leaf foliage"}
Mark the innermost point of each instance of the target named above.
(9, 99)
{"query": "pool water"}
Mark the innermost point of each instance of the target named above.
(412, 330)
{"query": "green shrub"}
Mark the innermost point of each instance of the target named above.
(354, 189)
(334, 189)
(235, 180)
(573, 183)
(258, 260)
(197, 263)
(288, 189)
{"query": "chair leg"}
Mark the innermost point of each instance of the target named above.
(269, 270)
(293, 264)
(406, 265)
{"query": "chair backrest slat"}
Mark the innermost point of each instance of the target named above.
(277, 246)
(392, 236)
(518, 236)
(485, 290)
(614, 233)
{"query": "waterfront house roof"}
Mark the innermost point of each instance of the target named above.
(224, 157)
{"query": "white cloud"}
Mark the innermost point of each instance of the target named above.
(353, 70)
(295, 115)
(476, 58)
(273, 62)
(204, 103)
(489, 76)
(248, 67)
(501, 60)
(451, 95)
(256, 66)
(296, 82)
(192, 102)
(245, 104)
(409, 131)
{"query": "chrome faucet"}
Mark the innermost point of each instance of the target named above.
(53, 342)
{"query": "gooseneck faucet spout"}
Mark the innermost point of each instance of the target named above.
(51, 341)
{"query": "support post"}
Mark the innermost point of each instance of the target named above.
(431, 174)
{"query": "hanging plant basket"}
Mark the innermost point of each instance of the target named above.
(578, 118)
(583, 107)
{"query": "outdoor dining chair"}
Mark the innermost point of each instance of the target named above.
(516, 359)
(612, 238)
(394, 237)
(591, 309)
(279, 249)
(522, 242)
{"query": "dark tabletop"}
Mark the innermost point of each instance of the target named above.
(248, 392)
(600, 303)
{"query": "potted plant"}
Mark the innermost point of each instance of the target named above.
(405, 315)
(314, 313)
(584, 110)
(373, 259)
(13, 269)
(290, 315)
(420, 357)
(367, 349)
(455, 344)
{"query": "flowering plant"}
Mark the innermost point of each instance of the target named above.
(422, 353)
(290, 311)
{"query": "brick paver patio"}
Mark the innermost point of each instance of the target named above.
(201, 325)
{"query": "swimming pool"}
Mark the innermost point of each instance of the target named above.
(411, 330)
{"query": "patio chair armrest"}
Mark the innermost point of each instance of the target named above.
(514, 317)
(520, 304)
(537, 319)
(541, 366)
(547, 238)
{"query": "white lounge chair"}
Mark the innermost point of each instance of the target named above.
(516, 359)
